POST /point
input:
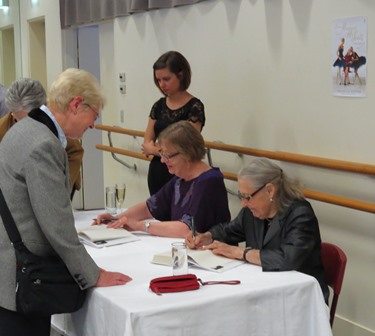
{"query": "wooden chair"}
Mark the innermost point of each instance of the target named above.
(334, 263)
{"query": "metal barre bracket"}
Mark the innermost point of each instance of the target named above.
(209, 157)
(116, 158)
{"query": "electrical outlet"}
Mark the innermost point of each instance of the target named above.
(121, 77)
(123, 89)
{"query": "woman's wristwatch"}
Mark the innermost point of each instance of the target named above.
(247, 249)
(147, 226)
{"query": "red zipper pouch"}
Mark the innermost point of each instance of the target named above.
(182, 283)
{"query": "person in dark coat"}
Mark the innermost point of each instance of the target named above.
(277, 224)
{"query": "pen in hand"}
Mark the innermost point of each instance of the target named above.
(106, 220)
(193, 227)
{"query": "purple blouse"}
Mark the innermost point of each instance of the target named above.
(204, 198)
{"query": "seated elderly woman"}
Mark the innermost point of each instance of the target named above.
(278, 225)
(196, 195)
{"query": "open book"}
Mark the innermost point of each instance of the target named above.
(101, 236)
(201, 258)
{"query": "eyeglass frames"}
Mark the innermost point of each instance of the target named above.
(167, 157)
(90, 107)
(247, 198)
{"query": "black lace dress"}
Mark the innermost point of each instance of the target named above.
(192, 111)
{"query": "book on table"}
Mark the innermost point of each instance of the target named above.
(101, 236)
(204, 259)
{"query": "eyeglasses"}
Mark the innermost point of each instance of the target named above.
(167, 157)
(95, 113)
(247, 198)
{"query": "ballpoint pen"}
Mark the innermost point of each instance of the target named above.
(193, 227)
(107, 220)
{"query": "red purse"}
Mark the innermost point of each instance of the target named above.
(182, 283)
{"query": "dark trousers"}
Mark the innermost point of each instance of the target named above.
(15, 324)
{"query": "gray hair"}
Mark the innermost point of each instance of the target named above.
(3, 109)
(262, 171)
(24, 95)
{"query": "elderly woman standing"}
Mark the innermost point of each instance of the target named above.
(35, 185)
(277, 223)
(195, 194)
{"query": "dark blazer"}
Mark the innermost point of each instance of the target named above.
(292, 241)
(35, 184)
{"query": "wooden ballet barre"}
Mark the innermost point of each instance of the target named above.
(323, 197)
(117, 129)
(306, 160)
(311, 194)
(339, 200)
(281, 156)
(326, 198)
(123, 152)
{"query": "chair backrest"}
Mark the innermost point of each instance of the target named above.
(334, 263)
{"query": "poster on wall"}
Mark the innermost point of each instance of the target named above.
(349, 57)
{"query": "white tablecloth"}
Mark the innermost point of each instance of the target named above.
(265, 303)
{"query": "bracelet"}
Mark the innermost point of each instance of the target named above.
(247, 249)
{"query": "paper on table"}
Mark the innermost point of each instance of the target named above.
(201, 258)
(100, 236)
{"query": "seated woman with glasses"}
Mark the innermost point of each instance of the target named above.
(276, 222)
(194, 199)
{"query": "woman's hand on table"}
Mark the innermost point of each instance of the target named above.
(203, 241)
(107, 279)
(111, 221)
(229, 251)
(104, 218)
(134, 225)
(117, 222)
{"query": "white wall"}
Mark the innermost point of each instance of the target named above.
(50, 11)
(19, 14)
(10, 19)
(263, 71)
